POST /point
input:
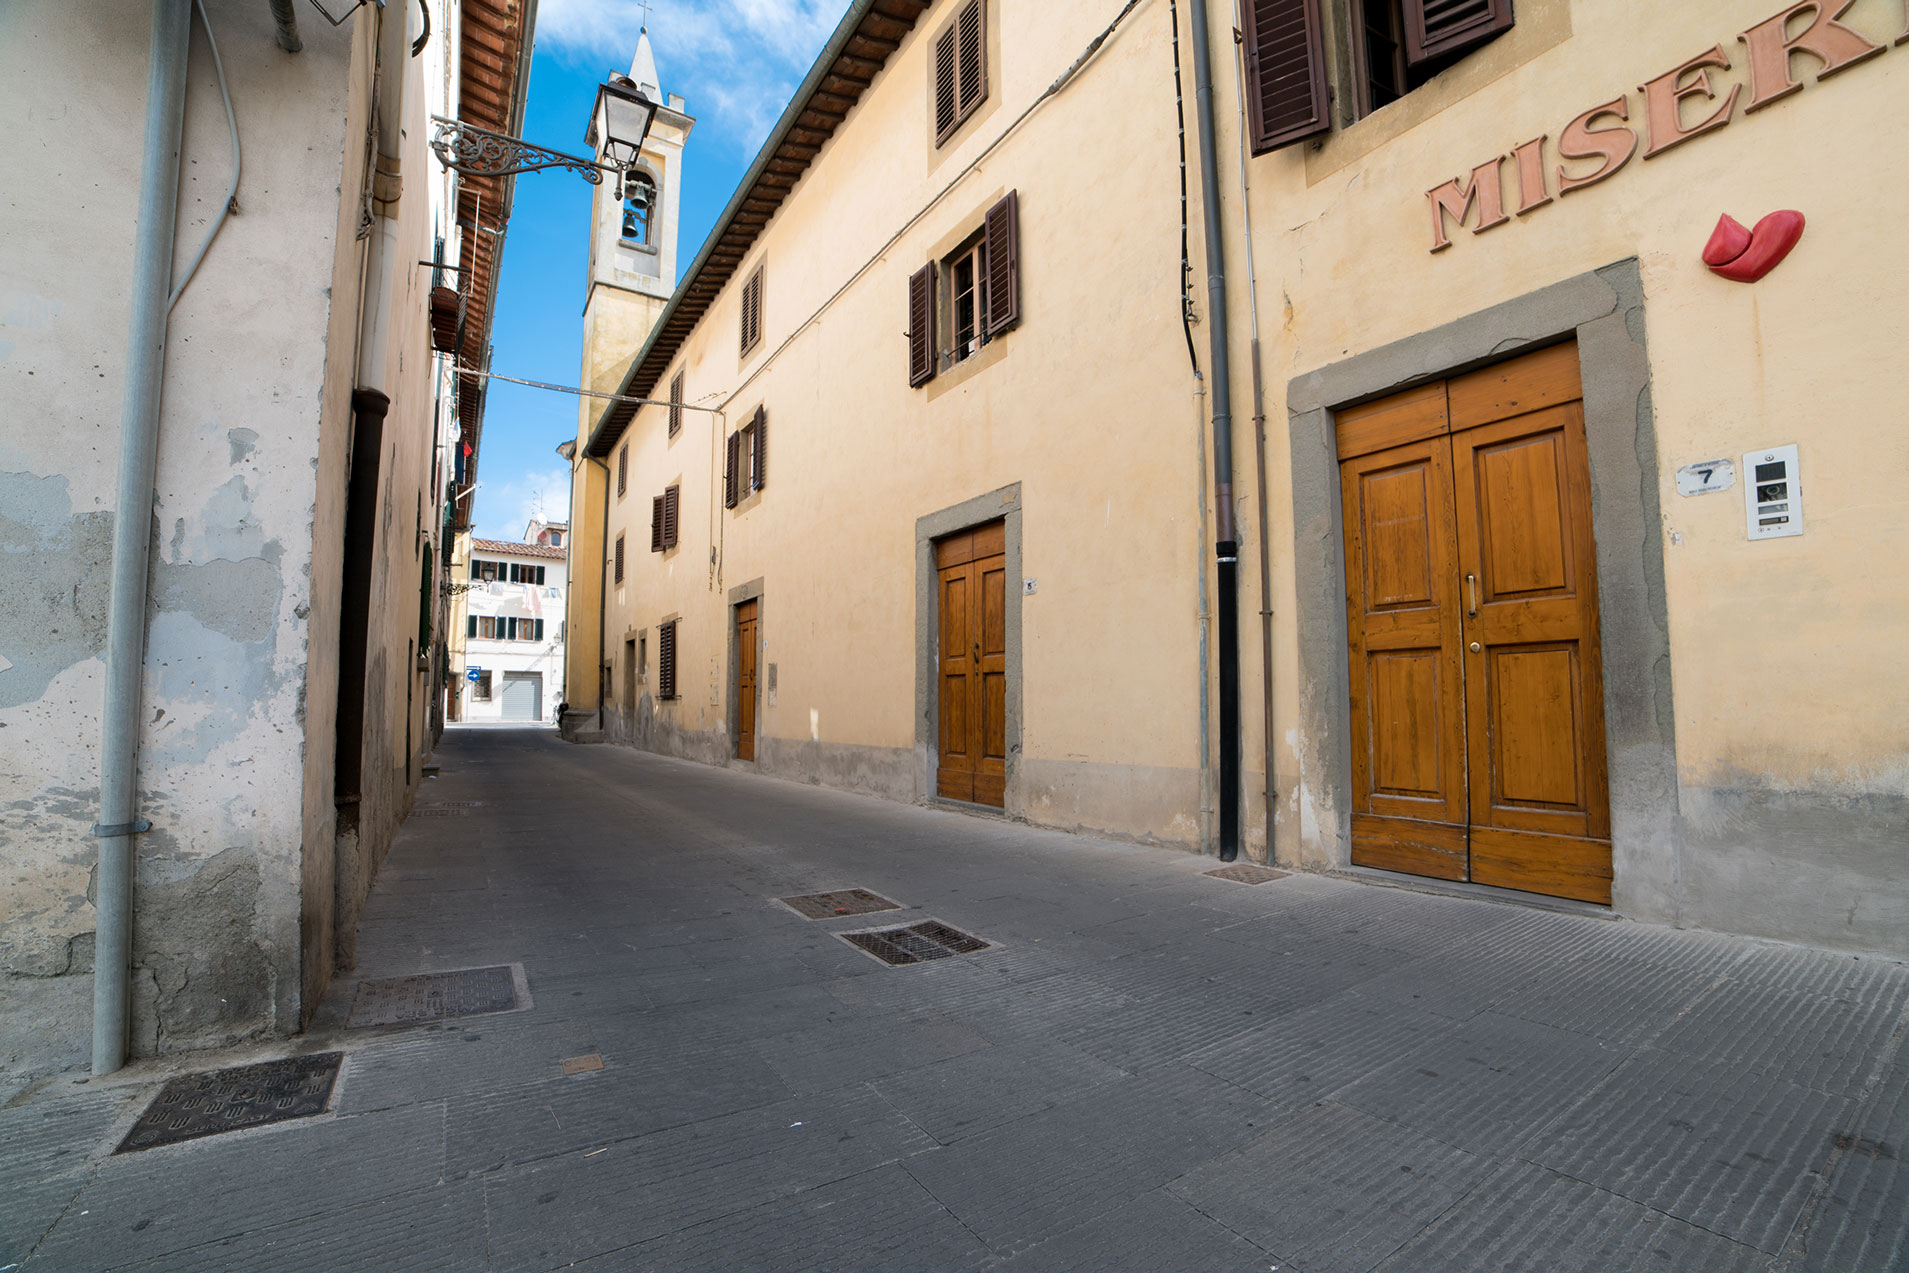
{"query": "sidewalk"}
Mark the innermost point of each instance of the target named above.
(1148, 1069)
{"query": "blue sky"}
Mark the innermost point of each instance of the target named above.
(736, 62)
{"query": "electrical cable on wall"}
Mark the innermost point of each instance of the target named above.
(1186, 258)
(232, 192)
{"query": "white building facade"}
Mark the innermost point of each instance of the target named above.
(511, 667)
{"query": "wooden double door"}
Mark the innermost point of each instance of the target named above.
(1471, 616)
(971, 600)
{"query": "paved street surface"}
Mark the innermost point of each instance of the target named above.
(1149, 1070)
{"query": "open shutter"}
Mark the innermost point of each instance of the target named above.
(672, 498)
(946, 90)
(759, 443)
(921, 326)
(1286, 92)
(1003, 227)
(1434, 28)
(539, 634)
(622, 471)
(973, 24)
(675, 404)
(473, 626)
(730, 449)
(656, 526)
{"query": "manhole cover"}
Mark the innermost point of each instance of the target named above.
(1247, 873)
(196, 1105)
(467, 992)
(851, 901)
(915, 944)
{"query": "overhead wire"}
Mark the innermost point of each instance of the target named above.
(232, 191)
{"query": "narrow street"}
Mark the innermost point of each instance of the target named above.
(1146, 1069)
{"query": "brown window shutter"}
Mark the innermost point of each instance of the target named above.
(622, 471)
(666, 661)
(759, 443)
(1435, 28)
(973, 26)
(656, 524)
(1003, 227)
(447, 316)
(619, 559)
(921, 326)
(672, 500)
(947, 92)
(1286, 92)
(752, 310)
(730, 450)
(676, 404)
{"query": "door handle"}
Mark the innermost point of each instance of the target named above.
(1471, 582)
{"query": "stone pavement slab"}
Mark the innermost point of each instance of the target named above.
(1148, 1070)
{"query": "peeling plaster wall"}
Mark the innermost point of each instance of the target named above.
(230, 642)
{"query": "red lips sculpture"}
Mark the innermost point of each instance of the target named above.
(1745, 256)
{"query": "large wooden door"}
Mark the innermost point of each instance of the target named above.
(971, 597)
(746, 681)
(1471, 607)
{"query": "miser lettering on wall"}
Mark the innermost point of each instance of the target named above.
(1604, 132)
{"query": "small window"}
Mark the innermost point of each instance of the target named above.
(960, 68)
(1398, 45)
(556, 538)
(967, 273)
(481, 688)
(676, 404)
(666, 660)
(746, 467)
(639, 210)
(665, 519)
(982, 283)
(642, 656)
(623, 470)
(619, 559)
(752, 311)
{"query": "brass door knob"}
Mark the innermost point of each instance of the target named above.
(1476, 647)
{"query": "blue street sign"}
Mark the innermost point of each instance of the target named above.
(472, 673)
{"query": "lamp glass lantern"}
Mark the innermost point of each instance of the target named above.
(620, 122)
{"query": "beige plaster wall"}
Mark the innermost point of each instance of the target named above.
(1109, 459)
(1792, 755)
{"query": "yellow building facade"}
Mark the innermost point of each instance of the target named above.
(1564, 525)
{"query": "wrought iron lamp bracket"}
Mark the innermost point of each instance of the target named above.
(340, 19)
(474, 151)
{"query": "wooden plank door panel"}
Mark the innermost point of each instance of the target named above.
(972, 629)
(746, 681)
(1534, 694)
(991, 666)
(955, 775)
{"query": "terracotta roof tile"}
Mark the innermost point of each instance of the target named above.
(516, 550)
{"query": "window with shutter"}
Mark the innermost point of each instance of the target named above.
(619, 559)
(921, 326)
(656, 524)
(752, 311)
(730, 448)
(672, 499)
(1398, 45)
(960, 68)
(1286, 97)
(666, 660)
(622, 471)
(676, 404)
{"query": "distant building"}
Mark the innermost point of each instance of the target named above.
(507, 652)
(1474, 523)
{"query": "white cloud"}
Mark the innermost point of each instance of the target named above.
(505, 508)
(736, 62)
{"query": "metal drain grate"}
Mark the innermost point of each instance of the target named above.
(467, 992)
(447, 804)
(916, 944)
(421, 812)
(1247, 873)
(196, 1105)
(851, 901)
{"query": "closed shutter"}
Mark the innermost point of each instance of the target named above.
(752, 311)
(619, 559)
(473, 626)
(921, 326)
(538, 635)
(1286, 92)
(1003, 228)
(474, 571)
(672, 498)
(622, 471)
(675, 404)
(759, 443)
(730, 448)
(656, 524)
(1434, 28)
(666, 661)
(945, 91)
(961, 68)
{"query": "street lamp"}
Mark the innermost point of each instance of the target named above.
(621, 119)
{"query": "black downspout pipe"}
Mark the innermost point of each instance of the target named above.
(1226, 550)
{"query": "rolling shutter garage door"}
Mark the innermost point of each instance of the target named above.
(523, 696)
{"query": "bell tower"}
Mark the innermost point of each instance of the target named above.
(633, 239)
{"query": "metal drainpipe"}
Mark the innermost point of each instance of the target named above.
(132, 529)
(286, 19)
(1226, 549)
